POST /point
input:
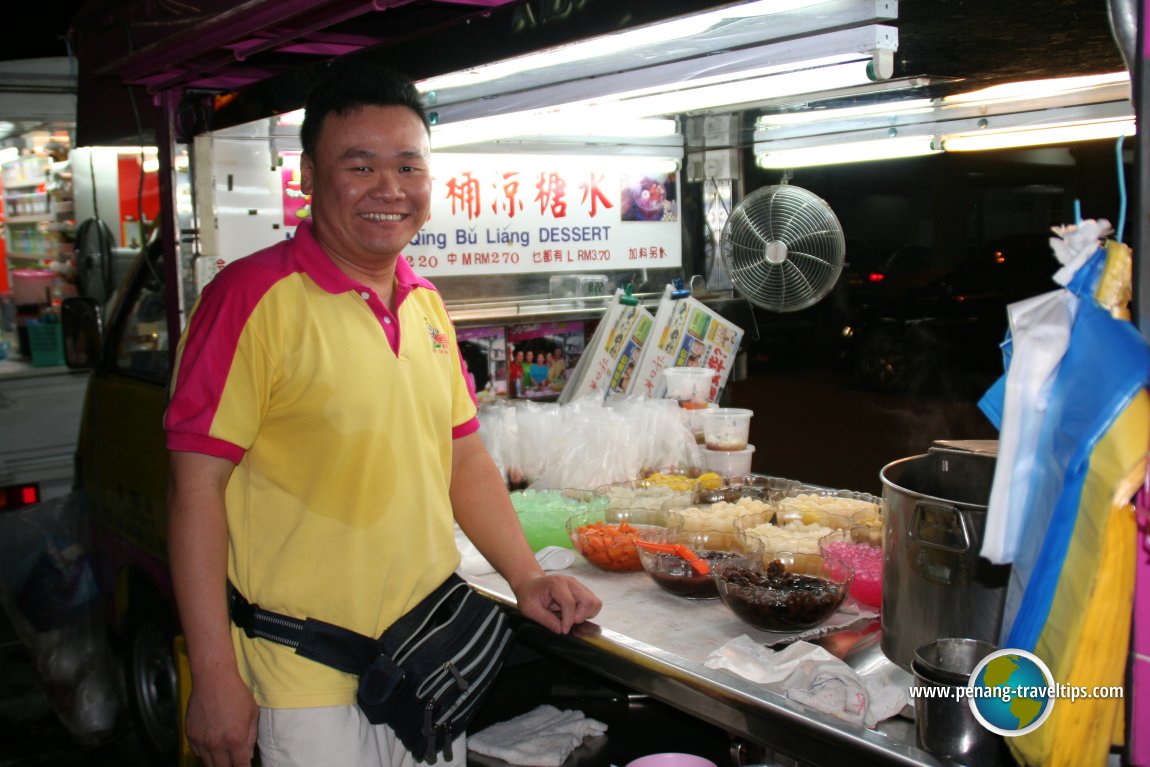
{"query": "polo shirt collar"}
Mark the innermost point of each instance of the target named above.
(318, 265)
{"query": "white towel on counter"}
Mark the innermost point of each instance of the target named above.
(809, 674)
(542, 737)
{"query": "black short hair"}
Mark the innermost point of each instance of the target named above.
(347, 87)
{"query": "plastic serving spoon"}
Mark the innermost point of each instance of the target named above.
(701, 566)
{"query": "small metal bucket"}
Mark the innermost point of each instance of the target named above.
(944, 723)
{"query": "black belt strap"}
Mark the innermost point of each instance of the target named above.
(322, 642)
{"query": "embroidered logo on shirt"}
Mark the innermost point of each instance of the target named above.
(438, 337)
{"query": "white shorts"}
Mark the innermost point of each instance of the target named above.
(336, 736)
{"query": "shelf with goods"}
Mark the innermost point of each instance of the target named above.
(38, 268)
(39, 222)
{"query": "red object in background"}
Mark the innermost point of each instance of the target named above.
(132, 202)
(17, 496)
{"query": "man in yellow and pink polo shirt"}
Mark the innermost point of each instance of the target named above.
(323, 438)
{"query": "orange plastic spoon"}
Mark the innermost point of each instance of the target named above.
(702, 567)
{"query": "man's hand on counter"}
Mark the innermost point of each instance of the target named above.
(557, 602)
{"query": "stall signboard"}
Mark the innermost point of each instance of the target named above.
(687, 333)
(520, 214)
(613, 353)
(514, 214)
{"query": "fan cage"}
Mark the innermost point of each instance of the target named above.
(783, 247)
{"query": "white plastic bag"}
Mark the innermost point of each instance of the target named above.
(49, 593)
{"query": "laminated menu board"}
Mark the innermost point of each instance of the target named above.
(687, 333)
(612, 356)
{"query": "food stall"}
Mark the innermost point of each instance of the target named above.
(671, 130)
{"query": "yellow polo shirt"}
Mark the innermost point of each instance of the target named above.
(340, 418)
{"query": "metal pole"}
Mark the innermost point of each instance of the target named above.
(169, 222)
(1140, 239)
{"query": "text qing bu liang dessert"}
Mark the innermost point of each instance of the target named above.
(794, 592)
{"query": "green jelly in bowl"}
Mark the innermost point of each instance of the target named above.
(543, 514)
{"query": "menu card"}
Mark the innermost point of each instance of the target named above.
(687, 333)
(612, 356)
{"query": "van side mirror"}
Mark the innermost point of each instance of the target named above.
(83, 326)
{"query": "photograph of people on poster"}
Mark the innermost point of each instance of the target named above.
(542, 356)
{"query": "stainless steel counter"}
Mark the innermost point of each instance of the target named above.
(657, 643)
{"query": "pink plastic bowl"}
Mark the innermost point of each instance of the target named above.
(671, 760)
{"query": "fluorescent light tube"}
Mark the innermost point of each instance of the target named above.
(689, 99)
(694, 36)
(1052, 134)
(609, 117)
(1030, 90)
(855, 151)
(586, 123)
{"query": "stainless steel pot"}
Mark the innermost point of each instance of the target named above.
(935, 584)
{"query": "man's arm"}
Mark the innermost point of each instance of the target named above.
(483, 509)
(222, 714)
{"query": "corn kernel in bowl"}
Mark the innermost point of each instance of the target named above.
(709, 481)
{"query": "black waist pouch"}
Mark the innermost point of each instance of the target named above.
(424, 677)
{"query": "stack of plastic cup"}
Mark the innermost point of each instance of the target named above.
(726, 431)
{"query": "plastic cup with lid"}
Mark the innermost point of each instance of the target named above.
(726, 428)
(690, 386)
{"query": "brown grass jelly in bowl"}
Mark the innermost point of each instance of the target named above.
(792, 592)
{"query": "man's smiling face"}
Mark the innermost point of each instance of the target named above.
(370, 183)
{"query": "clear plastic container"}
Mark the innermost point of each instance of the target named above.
(726, 428)
(694, 420)
(729, 462)
(691, 387)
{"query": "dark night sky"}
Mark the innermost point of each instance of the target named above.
(41, 35)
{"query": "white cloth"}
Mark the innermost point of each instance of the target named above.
(810, 675)
(542, 737)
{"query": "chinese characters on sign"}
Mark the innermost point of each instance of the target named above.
(504, 214)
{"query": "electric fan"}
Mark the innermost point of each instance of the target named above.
(783, 247)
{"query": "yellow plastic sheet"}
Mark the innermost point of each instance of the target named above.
(1085, 640)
